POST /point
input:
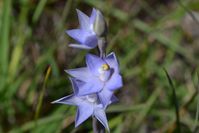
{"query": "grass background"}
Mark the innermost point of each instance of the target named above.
(146, 35)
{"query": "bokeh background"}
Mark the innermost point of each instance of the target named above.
(146, 35)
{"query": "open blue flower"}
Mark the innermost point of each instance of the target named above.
(88, 105)
(85, 36)
(101, 76)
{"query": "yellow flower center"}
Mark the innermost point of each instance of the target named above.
(105, 67)
(104, 72)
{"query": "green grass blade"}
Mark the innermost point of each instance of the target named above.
(17, 52)
(38, 108)
(147, 108)
(175, 100)
(188, 11)
(197, 109)
(4, 39)
(38, 10)
(124, 108)
(30, 125)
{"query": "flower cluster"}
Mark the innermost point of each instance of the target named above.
(94, 84)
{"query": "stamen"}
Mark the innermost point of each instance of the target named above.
(105, 67)
(105, 72)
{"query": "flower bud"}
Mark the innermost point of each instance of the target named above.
(100, 26)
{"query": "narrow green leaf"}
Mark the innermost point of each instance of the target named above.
(4, 40)
(197, 109)
(38, 10)
(38, 108)
(175, 100)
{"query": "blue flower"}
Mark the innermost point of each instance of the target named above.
(88, 105)
(89, 31)
(101, 76)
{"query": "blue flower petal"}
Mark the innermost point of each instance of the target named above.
(112, 61)
(70, 100)
(85, 110)
(86, 36)
(105, 97)
(91, 41)
(105, 76)
(83, 20)
(79, 35)
(93, 16)
(94, 63)
(114, 83)
(80, 46)
(100, 114)
(82, 74)
(86, 88)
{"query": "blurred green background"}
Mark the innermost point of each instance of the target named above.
(146, 35)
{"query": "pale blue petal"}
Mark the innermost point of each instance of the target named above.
(91, 41)
(86, 88)
(82, 87)
(97, 84)
(80, 46)
(106, 75)
(114, 83)
(83, 20)
(70, 100)
(113, 62)
(100, 114)
(105, 97)
(85, 110)
(82, 74)
(93, 16)
(94, 63)
(79, 35)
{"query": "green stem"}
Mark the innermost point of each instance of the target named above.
(38, 108)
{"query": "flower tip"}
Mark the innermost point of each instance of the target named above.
(77, 10)
(76, 125)
(69, 73)
(53, 102)
(66, 71)
(112, 54)
(94, 10)
(79, 46)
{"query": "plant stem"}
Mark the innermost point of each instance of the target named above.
(97, 126)
(102, 43)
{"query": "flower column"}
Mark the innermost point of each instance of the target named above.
(94, 84)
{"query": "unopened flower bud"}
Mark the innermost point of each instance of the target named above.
(100, 26)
